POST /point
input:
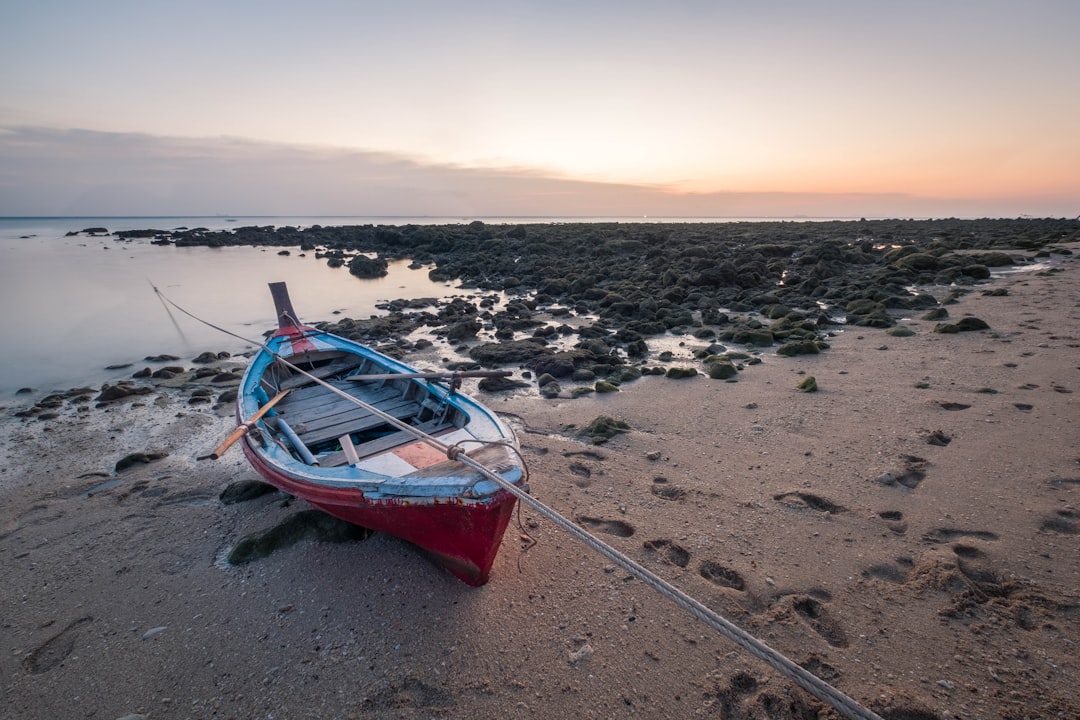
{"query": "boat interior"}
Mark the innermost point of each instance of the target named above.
(323, 427)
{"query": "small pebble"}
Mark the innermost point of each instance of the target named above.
(154, 631)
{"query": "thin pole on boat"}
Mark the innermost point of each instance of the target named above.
(799, 675)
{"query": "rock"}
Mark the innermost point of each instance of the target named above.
(138, 458)
(205, 358)
(510, 352)
(603, 386)
(750, 336)
(161, 358)
(582, 655)
(722, 370)
(463, 330)
(501, 384)
(965, 324)
(112, 393)
(900, 331)
(799, 347)
(678, 373)
(809, 384)
(245, 490)
(979, 272)
(868, 313)
(304, 525)
(603, 428)
(936, 314)
(363, 266)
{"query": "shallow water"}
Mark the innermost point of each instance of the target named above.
(75, 305)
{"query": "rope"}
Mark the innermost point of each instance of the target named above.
(799, 675)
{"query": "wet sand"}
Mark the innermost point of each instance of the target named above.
(909, 533)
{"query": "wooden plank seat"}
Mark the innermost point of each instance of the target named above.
(350, 418)
(310, 402)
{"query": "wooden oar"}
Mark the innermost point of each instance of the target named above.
(243, 428)
(435, 375)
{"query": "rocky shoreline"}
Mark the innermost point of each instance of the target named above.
(586, 307)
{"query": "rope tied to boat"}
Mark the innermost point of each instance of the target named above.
(802, 677)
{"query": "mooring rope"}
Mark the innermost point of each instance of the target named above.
(776, 660)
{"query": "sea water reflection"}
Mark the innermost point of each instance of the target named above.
(75, 305)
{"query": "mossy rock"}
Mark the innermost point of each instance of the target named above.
(129, 461)
(977, 271)
(966, 324)
(244, 491)
(304, 525)
(501, 384)
(581, 390)
(678, 373)
(551, 389)
(757, 338)
(604, 428)
(918, 261)
(809, 384)
(798, 347)
(900, 331)
(603, 386)
(722, 370)
(936, 314)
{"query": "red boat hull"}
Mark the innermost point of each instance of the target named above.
(461, 535)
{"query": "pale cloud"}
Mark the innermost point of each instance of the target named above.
(50, 172)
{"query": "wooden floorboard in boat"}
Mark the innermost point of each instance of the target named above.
(313, 404)
(495, 457)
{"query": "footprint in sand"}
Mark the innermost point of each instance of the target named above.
(668, 552)
(896, 573)
(587, 454)
(661, 489)
(953, 406)
(938, 438)
(1063, 522)
(814, 502)
(717, 574)
(618, 528)
(1024, 407)
(582, 474)
(943, 535)
(54, 650)
(820, 621)
(894, 519)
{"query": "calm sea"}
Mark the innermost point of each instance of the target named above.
(71, 306)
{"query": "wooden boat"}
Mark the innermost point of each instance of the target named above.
(341, 426)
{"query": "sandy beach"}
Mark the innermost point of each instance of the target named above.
(909, 533)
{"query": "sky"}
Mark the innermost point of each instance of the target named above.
(959, 108)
